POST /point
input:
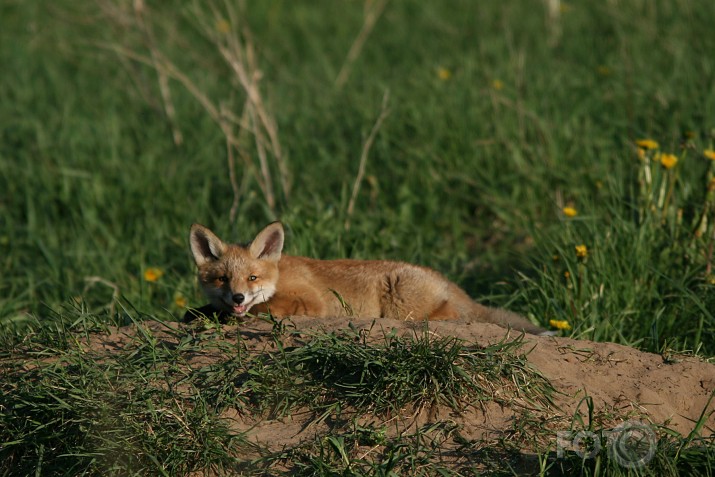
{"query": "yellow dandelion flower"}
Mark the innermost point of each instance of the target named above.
(647, 144)
(443, 73)
(153, 274)
(222, 26)
(569, 212)
(497, 85)
(180, 300)
(668, 160)
(710, 154)
(567, 274)
(560, 324)
(581, 251)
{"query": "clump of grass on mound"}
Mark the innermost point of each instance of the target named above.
(336, 371)
(670, 455)
(366, 450)
(627, 446)
(77, 414)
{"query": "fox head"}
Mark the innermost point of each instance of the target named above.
(236, 277)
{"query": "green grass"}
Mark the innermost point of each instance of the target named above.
(397, 374)
(345, 453)
(146, 407)
(468, 174)
(74, 411)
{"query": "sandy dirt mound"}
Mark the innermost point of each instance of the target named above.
(622, 382)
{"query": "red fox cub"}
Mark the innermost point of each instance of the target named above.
(257, 278)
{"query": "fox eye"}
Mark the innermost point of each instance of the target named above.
(252, 278)
(223, 279)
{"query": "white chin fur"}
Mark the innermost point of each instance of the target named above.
(226, 302)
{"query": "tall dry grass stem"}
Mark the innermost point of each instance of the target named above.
(373, 11)
(164, 88)
(384, 112)
(227, 30)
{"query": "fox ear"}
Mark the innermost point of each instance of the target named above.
(205, 245)
(268, 244)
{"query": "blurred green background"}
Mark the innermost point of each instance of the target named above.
(499, 115)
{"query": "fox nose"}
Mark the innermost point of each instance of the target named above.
(238, 298)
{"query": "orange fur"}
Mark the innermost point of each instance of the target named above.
(258, 278)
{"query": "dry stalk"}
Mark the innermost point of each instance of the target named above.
(234, 44)
(263, 159)
(116, 293)
(384, 112)
(709, 254)
(235, 143)
(237, 49)
(231, 172)
(373, 11)
(553, 14)
(172, 71)
(224, 118)
(139, 12)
